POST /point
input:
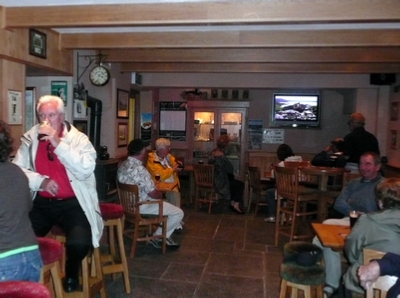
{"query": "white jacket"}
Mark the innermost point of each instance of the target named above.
(78, 156)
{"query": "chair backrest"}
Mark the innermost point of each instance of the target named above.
(348, 176)
(129, 199)
(254, 178)
(296, 164)
(204, 175)
(383, 283)
(287, 182)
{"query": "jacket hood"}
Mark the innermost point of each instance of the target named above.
(389, 218)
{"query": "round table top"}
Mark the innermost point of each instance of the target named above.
(323, 170)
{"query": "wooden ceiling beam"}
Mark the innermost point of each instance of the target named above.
(262, 67)
(360, 55)
(229, 39)
(204, 12)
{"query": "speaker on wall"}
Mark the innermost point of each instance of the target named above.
(382, 78)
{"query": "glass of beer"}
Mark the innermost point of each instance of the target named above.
(157, 177)
(354, 215)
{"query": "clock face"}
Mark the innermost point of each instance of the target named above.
(99, 75)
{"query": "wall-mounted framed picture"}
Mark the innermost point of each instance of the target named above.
(37, 43)
(80, 110)
(30, 105)
(122, 134)
(393, 139)
(235, 94)
(59, 88)
(245, 94)
(224, 94)
(122, 104)
(14, 107)
(214, 93)
(81, 125)
(394, 111)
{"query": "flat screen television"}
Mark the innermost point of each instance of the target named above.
(302, 109)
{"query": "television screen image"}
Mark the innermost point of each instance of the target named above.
(296, 110)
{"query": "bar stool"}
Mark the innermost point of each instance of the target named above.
(23, 289)
(113, 217)
(51, 253)
(92, 274)
(306, 273)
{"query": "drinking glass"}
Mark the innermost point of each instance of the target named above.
(353, 217)
(157, 177)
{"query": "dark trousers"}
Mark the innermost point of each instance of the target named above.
(69, 216)
(236, 189)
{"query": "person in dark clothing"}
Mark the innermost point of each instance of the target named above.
(225, 183)
(388, 265)
(324, 159)
(358, 141)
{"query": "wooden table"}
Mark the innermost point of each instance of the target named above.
(332, 236)
(323, 174)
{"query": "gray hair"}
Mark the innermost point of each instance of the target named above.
(162, 143)
(51, 98)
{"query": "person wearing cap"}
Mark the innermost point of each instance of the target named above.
(132, 171)
(358, 141)
(161, 162)
(336, 159)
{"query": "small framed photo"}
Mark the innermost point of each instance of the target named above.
(14, 107)
(81, 125)
(37, 43)
(246, 94)
(59, 88)
(393, 139)
(225, 94)
(214, 93)
(235, 94)
(122, 134)
(394, 111)
(122, 104)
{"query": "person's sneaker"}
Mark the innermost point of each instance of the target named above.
(270, 219)
(171, 243)
(155, 242)
(328, 292)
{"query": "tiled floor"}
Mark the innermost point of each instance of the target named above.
(222, 254)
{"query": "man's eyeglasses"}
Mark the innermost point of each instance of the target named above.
(50, 154)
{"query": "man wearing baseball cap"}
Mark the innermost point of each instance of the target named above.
(132, 171)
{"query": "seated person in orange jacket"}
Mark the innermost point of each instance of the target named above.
(161, 162)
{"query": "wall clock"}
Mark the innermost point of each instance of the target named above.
(99, 75)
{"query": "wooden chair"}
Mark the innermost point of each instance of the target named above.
(381, 286)
(204, 183)
(129, 199)
(287, 185)
(256, 188)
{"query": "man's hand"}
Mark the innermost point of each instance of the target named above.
(368, 273)
(50, 186)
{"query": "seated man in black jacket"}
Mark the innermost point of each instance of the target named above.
(336, 159)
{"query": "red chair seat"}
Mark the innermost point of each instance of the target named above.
(111, 211)
(50, 250)
(23, 289)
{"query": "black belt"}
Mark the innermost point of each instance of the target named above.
(54, 199)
